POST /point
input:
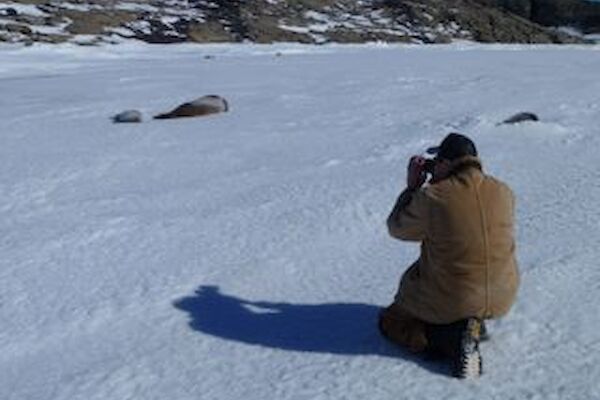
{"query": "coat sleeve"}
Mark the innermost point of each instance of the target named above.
(408, 219)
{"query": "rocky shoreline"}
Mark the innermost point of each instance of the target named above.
(89, 22)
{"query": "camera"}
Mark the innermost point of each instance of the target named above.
(429, 165)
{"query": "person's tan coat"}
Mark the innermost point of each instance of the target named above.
(467, 266)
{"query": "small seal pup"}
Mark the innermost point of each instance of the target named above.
(129, 116)
(204, 105)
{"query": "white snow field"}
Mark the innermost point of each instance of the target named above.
(245, 255)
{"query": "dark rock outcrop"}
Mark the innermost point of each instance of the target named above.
(8, 12)
(301, 21)
(580, 14)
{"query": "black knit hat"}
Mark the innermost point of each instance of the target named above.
(454, 146)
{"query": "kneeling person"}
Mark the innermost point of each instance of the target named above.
(467, 270)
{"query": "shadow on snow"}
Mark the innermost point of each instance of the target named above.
(334, 328)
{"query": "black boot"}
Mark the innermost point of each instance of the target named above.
(458, 341)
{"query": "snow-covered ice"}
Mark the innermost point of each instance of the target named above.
(245, 255)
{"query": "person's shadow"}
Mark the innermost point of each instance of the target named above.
(335, 328)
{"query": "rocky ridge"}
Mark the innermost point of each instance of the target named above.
(267, 21)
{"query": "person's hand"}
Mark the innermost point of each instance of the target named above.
(416, 175)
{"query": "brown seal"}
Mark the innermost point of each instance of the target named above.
(205, 105)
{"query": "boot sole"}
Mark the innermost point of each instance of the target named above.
(469, 365)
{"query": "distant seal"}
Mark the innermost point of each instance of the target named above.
(129, 116)
(205, 105)
(521, 117)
